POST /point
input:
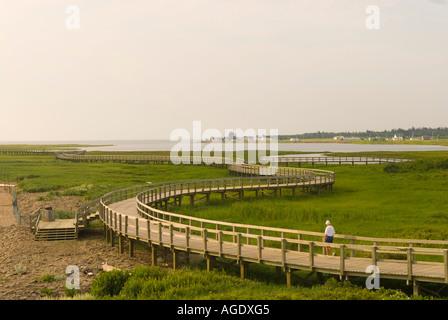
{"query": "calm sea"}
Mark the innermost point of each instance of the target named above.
(165, 145)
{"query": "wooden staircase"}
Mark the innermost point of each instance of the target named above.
(61, 229)
(56, 234)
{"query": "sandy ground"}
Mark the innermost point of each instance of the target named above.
(6, 216)
(23, 261)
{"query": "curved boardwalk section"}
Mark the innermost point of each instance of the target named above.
(141, 214)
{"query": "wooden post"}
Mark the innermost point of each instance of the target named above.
(409, 254)
(445, 262)
(243, 269)
(209, 263)
(160, 232)
(171, 235)
(126, 224)
(106, 228)
(352, 252)
(374, 255)
(283, 246)
(153, 255)
(175, 260)
(112, 237)
(120, 243)
(342, 261)
(131, 247)
(288, 277)
(311, 255)
(204, 234)
(220, 241)
(187, 239)
(238, 244)
(416, 289)
(259, 248)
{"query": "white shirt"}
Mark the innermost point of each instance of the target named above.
(329, 231)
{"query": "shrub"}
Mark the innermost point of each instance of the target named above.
(70, 292)
(47, 278)
(47, 291)
(417, 166)
(20, 268)
(109, 284)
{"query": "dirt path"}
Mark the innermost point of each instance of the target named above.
(7, 217)
(24, 261)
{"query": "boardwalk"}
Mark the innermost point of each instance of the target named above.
(141, 214)
(256, 253)
(287, 160)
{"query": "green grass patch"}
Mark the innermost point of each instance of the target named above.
(91, 180)
(366, 201)
(152, 283)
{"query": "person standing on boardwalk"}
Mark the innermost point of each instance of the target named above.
(329, 233)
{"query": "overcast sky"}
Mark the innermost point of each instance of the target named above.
(139, 69)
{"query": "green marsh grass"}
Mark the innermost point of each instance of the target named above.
(366, 201)
(151, 283)
(91, 180)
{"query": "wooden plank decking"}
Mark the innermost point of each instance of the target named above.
(141, 214)
(353, 266)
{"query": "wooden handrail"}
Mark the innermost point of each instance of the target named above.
(162, 216)
(211, 235)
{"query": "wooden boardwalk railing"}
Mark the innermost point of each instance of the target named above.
(165, 159)
(142, 158)
(339, 160)
(136, 214)
(41, 151)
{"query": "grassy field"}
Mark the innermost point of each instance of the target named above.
(365, 201)
(91, 180)
(406, 200)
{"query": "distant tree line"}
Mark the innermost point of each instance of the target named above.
(440, 133)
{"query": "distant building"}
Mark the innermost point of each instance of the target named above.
(338, 138)
(426, 138)
(294, 139)
(397, 137)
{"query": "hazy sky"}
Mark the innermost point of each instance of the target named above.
(138, 69)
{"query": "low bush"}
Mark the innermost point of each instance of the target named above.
(109, 284)
(152, 283)
(417, 166)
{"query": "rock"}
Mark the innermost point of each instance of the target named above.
(106, 267)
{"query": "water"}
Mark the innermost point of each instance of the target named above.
(158, 145)
(165, 145)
